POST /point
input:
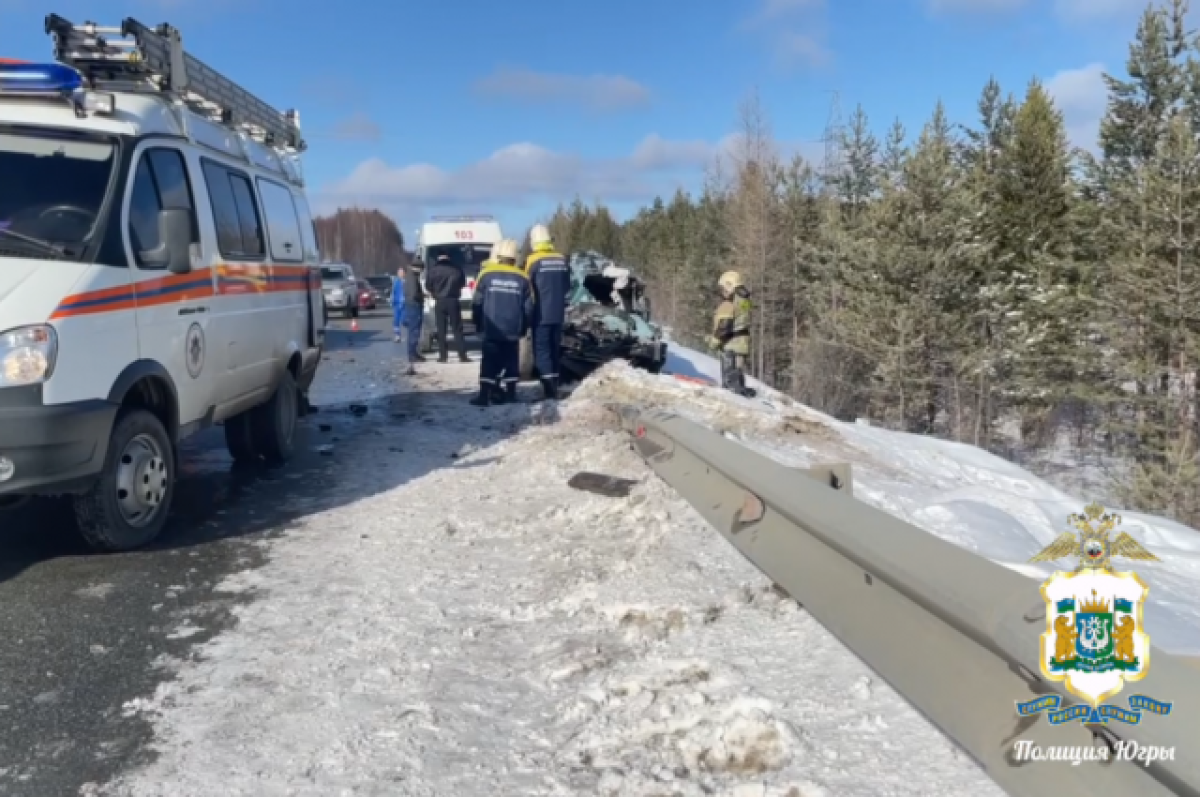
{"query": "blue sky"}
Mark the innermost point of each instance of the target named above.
(507, 107)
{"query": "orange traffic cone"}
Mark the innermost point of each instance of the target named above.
(354, 325)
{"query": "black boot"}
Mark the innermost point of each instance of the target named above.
(510, 392)
(484, 398)
(549, 388)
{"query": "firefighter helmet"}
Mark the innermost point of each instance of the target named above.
(730, 281)
(506, 250)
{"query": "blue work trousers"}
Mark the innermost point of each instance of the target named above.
(500, 364)
(547, 349)
(413, 315)
(397, 317)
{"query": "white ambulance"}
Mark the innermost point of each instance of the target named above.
(468, 241)
(158, 274)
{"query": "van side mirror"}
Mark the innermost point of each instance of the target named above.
(174, 242)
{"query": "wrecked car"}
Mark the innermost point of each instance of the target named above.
(608, 318)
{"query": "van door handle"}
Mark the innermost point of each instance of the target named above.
(192, 310)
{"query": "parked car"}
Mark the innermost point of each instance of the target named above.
(608, 318)
(366, 296)
(338, 285)
(381, 289)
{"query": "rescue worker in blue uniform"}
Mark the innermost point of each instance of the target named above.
(550, 279)
(398, 303)
(502, 310)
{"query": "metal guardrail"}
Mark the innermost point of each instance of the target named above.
(957, 635)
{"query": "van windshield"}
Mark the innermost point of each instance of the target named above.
(52, 192)
(469, 256)
(333, 274)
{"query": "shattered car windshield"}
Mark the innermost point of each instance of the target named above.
(53, 191)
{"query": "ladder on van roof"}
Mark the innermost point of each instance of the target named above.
(133, 57)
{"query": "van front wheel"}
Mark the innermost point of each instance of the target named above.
(127, 506)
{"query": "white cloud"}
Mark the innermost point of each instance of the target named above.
(1094, 10)
(805, 48)
(1082, 97)
(358, 127)
(986, 6)
(796, 30)
(520, 175)
(774, 10)
(1068, 11)
(605, 93)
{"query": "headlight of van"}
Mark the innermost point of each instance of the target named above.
(27, 355)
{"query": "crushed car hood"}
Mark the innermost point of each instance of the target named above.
(611, 320)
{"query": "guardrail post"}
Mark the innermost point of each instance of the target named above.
(838, 475)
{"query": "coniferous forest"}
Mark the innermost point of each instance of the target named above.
(984, 283)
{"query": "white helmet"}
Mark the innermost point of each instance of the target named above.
(730, 281)
(505, 250)
(539, 235)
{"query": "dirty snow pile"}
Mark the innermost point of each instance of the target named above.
(484, 629)
(958, 492)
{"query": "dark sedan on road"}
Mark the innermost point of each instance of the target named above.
(381, 289)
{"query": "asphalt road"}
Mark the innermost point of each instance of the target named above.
(83, 634)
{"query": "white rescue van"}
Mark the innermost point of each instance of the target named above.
(468, 241)
(158, 274)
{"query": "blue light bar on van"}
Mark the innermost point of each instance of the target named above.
(461, 219)
(39, 79)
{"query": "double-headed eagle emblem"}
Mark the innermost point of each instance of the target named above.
(1091, 543)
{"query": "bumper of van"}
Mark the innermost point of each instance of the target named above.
(54, 449)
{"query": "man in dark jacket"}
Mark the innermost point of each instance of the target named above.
(414, 312)
(550, 279)
(502, 310)
(445, 282)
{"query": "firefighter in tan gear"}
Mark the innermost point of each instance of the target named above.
(731, 332)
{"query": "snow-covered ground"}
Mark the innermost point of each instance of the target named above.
(955, 491)
(484, 629)
(478, 627)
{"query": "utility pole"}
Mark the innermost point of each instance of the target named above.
(835, 131)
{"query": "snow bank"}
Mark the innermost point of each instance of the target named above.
(486, 630)
(955, 491)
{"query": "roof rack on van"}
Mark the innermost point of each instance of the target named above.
(137, 58)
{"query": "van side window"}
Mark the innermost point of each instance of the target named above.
(283, 224)
(308, 229)
(239, 230)
(160, 183)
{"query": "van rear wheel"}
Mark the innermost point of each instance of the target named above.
(275, 422)
(127, 506)
(239, 437)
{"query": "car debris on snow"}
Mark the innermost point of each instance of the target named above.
(600, 484)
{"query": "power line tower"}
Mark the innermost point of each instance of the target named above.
(835, 130)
